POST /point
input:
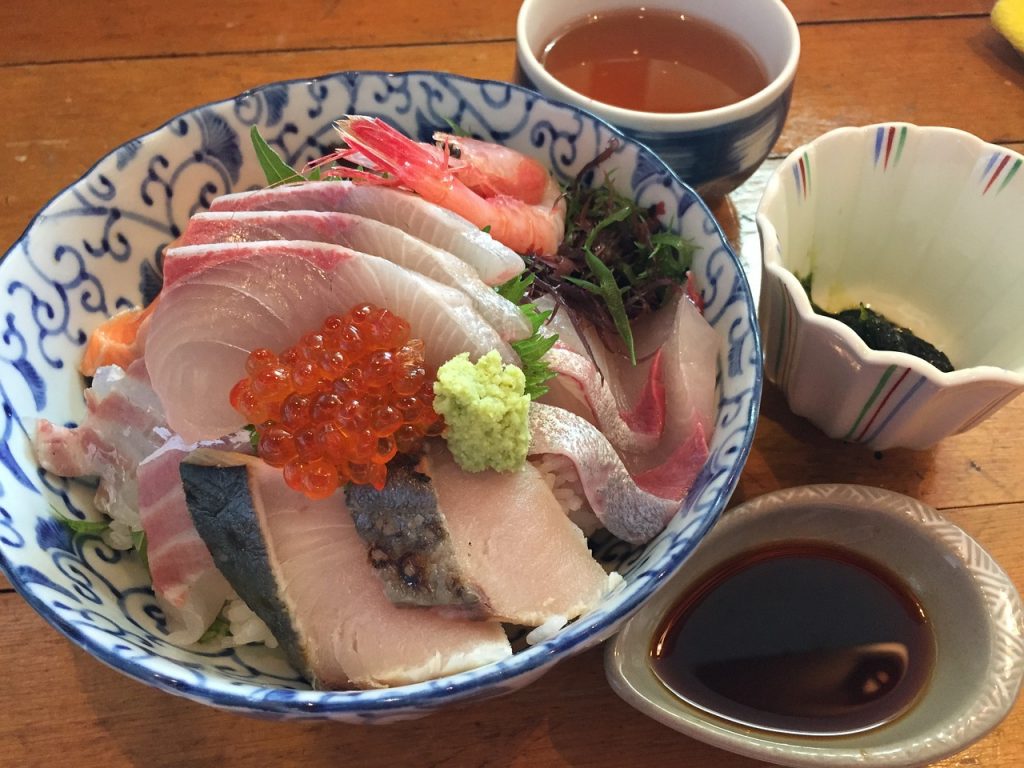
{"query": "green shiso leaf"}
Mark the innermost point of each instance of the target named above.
(274, 168)
(254, 436)
(609, 290)
(532, 349)
(87, 527)
(141, 544)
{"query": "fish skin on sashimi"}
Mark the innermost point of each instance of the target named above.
(494, 262)
(629, 430)
(301, 566)
(409, 543)
(268, 294)
(352, 231)
(625, 509)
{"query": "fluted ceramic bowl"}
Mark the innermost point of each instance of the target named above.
(96, 247)
(923, 224)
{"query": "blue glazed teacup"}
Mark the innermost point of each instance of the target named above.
(715, 150)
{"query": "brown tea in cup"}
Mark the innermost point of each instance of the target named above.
(654, 60)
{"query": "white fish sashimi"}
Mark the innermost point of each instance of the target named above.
(658, 414)
(352, 231)
(268, 294)
(494, 262)
(122, 427)
(513, 540)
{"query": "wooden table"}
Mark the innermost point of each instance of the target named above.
(81, 77)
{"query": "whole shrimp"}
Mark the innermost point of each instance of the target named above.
(496, 188)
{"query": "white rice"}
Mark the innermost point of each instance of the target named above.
(244, 626)
(562, 478)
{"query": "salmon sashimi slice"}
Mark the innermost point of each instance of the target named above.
(495, 263)
(268, 294)
(301, 567)
(116, 341)
(358, 233)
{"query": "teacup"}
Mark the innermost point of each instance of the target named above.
(714, 150)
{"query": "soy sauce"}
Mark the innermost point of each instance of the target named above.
(799, 637)
(654, 61)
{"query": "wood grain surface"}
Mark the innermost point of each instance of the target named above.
(79, 78)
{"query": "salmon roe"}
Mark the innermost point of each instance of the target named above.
(340, 404)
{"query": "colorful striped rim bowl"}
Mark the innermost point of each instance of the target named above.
(924, 225)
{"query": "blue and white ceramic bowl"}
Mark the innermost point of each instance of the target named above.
(715, 150)
(96, 248)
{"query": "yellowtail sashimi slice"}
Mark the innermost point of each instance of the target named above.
(513, 541)
(494, 262)
(268, 295)
(359, 233)
(302, 568)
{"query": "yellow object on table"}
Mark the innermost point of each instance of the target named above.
(1008, 18)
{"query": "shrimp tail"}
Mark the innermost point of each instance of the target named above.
(390, 151)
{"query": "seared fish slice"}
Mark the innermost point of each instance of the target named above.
(302, 568)
(410, 545)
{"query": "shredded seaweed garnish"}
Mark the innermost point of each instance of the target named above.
(881, 333)
(532, 349)
(617, 262)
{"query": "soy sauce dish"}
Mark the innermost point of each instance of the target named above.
(837, 625)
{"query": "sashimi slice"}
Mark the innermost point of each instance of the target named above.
(689, 370)
(123, 425)
(301, 566)
(514, 542)
(625, 509)
(188, 586)
(630, 430)
(268, 294)
(115, 342)
(357, 232)
(657, 414)
(494, 262)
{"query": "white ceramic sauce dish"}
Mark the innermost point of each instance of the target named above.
(974, 610)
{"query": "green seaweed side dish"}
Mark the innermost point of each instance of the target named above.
(880, 333)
